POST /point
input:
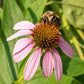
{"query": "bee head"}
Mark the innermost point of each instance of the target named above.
(44, 19)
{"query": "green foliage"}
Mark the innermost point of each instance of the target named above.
(71, 13)
(73, 67)
(39, 79)
(77, 65)
(10, 17)
(52, 80)
(34, 12)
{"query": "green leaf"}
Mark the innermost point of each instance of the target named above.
(5, 71)
(27, 3)
(72, 66)
(11, 15)
(74, 12)
(34, 12)
(76, 67)
(40, 79)
(55, 7)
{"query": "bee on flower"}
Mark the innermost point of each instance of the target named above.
(44, 36)
(52, 18)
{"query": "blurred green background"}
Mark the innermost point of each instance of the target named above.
(71, 13)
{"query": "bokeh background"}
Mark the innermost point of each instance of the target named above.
(71, 13)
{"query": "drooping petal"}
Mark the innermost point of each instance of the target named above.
(65, 47)
(23, 53)
(21, 44)
(47, 64)
(19, 33)
(57, 64)
(24, 25)
(32, 64)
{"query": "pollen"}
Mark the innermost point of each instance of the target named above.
(46, 35)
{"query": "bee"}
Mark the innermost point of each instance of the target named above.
(52, 18)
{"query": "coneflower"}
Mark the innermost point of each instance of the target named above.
(44, 36)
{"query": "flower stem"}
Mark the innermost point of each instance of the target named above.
(22, 77)
(64, 3)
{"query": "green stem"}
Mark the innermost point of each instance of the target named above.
(22, 77)
(64, 3)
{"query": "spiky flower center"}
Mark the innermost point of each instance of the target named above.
(46, 35)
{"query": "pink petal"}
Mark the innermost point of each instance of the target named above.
(65, 47)
(57, 64)
(60, 33)
(47, 64)
(21, 44)
(32, 64)
(23, 53)
(24, 25)
(19, 33)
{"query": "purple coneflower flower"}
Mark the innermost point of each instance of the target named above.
(45, 36)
